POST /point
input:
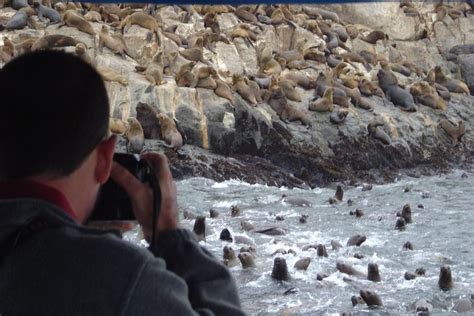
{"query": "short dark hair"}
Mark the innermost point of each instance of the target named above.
(54, 111)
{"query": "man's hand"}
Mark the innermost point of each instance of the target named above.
(141, 194)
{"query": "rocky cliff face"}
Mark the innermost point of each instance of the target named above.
(265, 148)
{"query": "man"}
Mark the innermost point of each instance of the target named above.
(55, 155)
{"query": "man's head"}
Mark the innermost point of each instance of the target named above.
(54, 118)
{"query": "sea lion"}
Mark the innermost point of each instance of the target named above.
(154, 70)
(456, 132)
(7, 51)
(73, 19)
(247, 226)
(134, 136)
(445, 281)
(44, 12)
(247, 260)
(321, 251)
(368, 88)
(373, 272)
(370, 298)
(302, 264)
(81, 51)
(235, 211)
(409, 276)
(52, 41)
(147, 116)
(169, 132)
(230, 259)
(116, 45)
(18, 4)
(356, 240)
(253, 85)
(271, 231)
(303, 218)
(224, 91)
(17, 22)
(427, 95)
(400, 224)
(252, 250)
(117, 126)
(339, 195)
(199, 228)
(324, 104)
(358, 212)
(245, 15)
(296, 201)
(294, 54)
(374, 36)
(242, 88)
(338, 116)
(464, 305)
(280, 269)
(376, 132)
(452, 85)
(225, 235)
(213, 213)
(357, 300)
(288, 88)
(398, 96)
(348, 269)
(408, 246)
(93, 16)
(285, 111)
(336, 245)
(185, 77)
(142, 19)
(406, 213)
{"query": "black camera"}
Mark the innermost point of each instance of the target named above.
(113, 203)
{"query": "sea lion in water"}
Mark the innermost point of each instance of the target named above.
(370, 298)
(389, 84)
(147, 116)
(169, 132)
(135, 136)
(52, 15)
(271, 231)
(235, 211)
(464, 305)
(338, 196)
(336, 245)
(452, 85)
(406, 213)
(321, 251)
(247, 260)
(400, 224)
(225, 235)
(455, 132)
(324, 104)
(199, 228)
(445, 281)
(356, 240)
(296, 201)
(357, 300)
(358, 212)
(373, 272)
(230, 259)
(348, 269)
(376, 132)
(72, 19)
(280, 269)
(247, 226)
(408, 246)
(213, 213)
(302, 264)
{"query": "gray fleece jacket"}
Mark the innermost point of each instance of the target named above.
(49, 265)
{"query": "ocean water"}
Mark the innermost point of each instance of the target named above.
(441, 233)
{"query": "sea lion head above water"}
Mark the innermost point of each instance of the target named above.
(373, 272)
(445, 281)
(247, 260)
(280, 269)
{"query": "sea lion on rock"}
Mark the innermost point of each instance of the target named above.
(285, 111)
(374, 36)
(7, 51)
(247, 260)
(135, 136)
(456, 132)
(445, 281)
(289, 89)
(81, 51)
(369, 88)
(142, 19)
(242, 88)
(452, 85)
(373, 272)
(224, 91)
(17, 22)
(52, 15)
(398, 96)
(376, 132)
(324, 104)
(117, 126)
(427, 95)
(116, 45)
(302, 264)
(18, 4)
(199, 228)
(348, 269)
(370, 298)
(52, 41)
(280, 269)
(338, 116)
(72, 19)
(169, 132)
(147, 116)
(154, 70)
(356, 240)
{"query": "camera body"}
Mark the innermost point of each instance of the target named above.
(113, 202)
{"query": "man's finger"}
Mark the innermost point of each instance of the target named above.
(126, 180)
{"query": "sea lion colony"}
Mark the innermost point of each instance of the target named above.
(348, 81)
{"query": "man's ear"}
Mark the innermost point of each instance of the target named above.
(105, 155)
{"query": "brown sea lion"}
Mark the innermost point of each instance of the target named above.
(370, 298)
(452, 85)
(348, 269)
(213, 213)
(81, 51)
(52, 41)
(142, 19)
(285, 111)
(456, 132)
(357, 300)
(230, 259)
(374, 36)
(338, 116)
(235, 211)
(445, 281)
(302, 264)
(288, 88)
(241, 87)
(369, 88)
(294, 54)
(398, 96)
(247, 260)
(199, 228)
(147, 116)
(7, 51)
(321, 251)
(116, 45)
(356, 240)
(224, 91)
(373, 272)
(73, 19)
(185, 77)
(154, 70)
(324, 104)
(280, 269)
(93, 16)
(169, 132)
(376, 132)
(357, 213)
(117, 126)
(135, 136)
(406, 213)
(427, 95)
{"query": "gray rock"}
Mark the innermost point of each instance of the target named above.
(466, 62)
